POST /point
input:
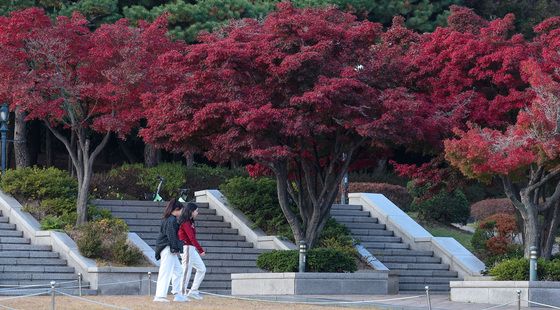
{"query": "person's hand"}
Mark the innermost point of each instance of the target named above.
(203, 253)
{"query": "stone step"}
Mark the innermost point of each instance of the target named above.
(339, 212)
(346, 207)
(233, 251)
(199, 230)
(380, 253)
(46, 277)
(411, 259)
(32, 261)
(229, 270)
(384, 245)
(242, 244)
(215, 285)
(416, 266)
(426, 280)
(427, 273)
(14, 240)
(199, 237)
(4, 219)
(28, 254)
(151, 211)
(421, 287)
(37, 268)
(11, 233)
(231, 256)
(354, 219)
(358, 232)
(216, 291)
(157, 222)
(230, 263)
(24, 247)
(379, 239)
(353, 226)
(7, 226)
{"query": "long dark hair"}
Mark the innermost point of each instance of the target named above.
(186, 213)
(172, 205)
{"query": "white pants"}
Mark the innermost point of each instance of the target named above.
(190, 258)
(169, 269)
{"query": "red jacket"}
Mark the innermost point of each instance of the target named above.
(187, 234)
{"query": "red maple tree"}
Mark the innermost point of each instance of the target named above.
(525, 154)
(86, 82)
(294, 94)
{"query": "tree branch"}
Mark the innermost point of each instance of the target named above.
(66, 143)
(545, 179)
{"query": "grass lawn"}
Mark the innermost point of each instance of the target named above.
(441, 230)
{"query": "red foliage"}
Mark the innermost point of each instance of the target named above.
(505, 227)
(485, 208)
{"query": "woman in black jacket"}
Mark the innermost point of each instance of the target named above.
(168, 249)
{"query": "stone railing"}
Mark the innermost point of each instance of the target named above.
(449, 250)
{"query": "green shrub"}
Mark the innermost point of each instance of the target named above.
(517, 269)
(173, 173)
(279, 261)
(445, 207)
(201, 177)
(58, 206)
(96, 214)
(337, 236)
(53, 222)
(126, 254)
(258, 200)
(33, 183)
(318, 260)
(120, 184)
(106, 239)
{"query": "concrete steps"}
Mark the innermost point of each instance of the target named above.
(416, 269)
(26, 268)
(227, 252)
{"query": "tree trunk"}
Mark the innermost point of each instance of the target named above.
(189, 159)
(71, 166)
(21, 151)
(48, 148)
(549, 229)
(150, 156)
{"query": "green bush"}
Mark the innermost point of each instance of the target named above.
(106, 239)
(279, 261)
(201, 177)
(33, 183)
(120, 183)
(445, 207)
(318, 260)
(258, 200)
(337, 236)
(124, 253)
(51, 222)
(517, 269)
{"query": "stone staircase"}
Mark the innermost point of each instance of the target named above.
(27, 269)
(416, 269)
(226, 251)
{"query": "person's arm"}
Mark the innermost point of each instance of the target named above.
(192, 237)
(172, 229)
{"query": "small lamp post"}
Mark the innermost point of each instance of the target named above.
(344, 185)
(4, 117)
(533, 264)
(302, 255)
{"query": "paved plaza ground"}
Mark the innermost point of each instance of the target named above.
(439, 302)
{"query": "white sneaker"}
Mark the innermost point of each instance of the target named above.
(180, 298)
(195, 295)
(160, 299)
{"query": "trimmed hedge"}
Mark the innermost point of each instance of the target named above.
(397, 194)
(488, 207)
(33, 183)
(318, 260)
(445, 207)
(517, 269)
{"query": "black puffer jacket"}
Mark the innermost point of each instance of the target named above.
(168, 237)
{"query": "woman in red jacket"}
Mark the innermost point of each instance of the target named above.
(192, 251)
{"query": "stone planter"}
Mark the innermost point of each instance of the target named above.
(311, 283)
(501, 292)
